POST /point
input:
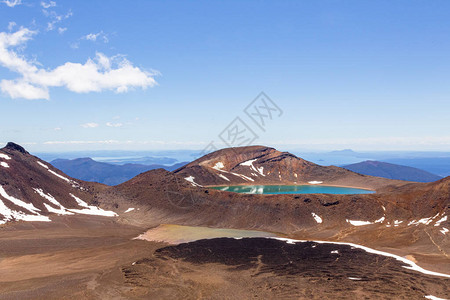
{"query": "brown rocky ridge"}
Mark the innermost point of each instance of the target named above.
(264, 165)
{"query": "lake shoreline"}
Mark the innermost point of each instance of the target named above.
(292, 189)
(295, 184)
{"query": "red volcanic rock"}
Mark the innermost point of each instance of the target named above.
(33, 190)
(264, 165)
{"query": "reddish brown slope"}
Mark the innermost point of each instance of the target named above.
(264, 165)
(171, 196)
(408, 220)
(31, 189)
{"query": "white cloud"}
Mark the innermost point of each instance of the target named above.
(370, 143)
(95, 75)
(403, 141)
(11, 25)
(22, 89)
(61, 30)
(109, 124)
(48, 4)
(57, 129)
(89, 125)
(129, 142)
(55, 18)
(12, 3)
(83, 142)
(94, 36)
(91, 36)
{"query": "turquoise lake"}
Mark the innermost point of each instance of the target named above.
(291, 189)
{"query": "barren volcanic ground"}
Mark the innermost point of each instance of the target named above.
(83, 246)
(85, 258)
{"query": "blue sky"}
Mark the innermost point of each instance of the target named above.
(83, 75)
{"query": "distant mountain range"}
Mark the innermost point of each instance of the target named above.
(113, 174)
(437, 163)
(392, 171)
(110, 174)
(119, 157)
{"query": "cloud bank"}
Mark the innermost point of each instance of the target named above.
(95, 75)
(109, 124)
(94, 36)
(90, 125)
(48, 4)
(12, 3)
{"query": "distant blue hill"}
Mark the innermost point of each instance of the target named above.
(435, 165)
(392, 171)
(90, 170)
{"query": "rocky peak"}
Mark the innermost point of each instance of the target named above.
(14, 147)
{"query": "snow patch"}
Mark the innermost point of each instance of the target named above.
(91, 210)
(218, 166)
(242, 176)
(317, 218)
(60, 211)
(434, 297)
(12, 215)
(3, 164)
(410, 265)
(130, 209)
(354, 278)
(250, 162)
(425, 221)
(28, 206)
(74, 184)
(444, 231)
(380, 220)
(315, 182)
(42, 165)
(358, 223)
(57, 175)
(4, 156)
(413, 222)
(443, 219)
(397, 223)
(60, 176)
(222, 176)
(334, 252)
(48, 197)
(191, 180)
